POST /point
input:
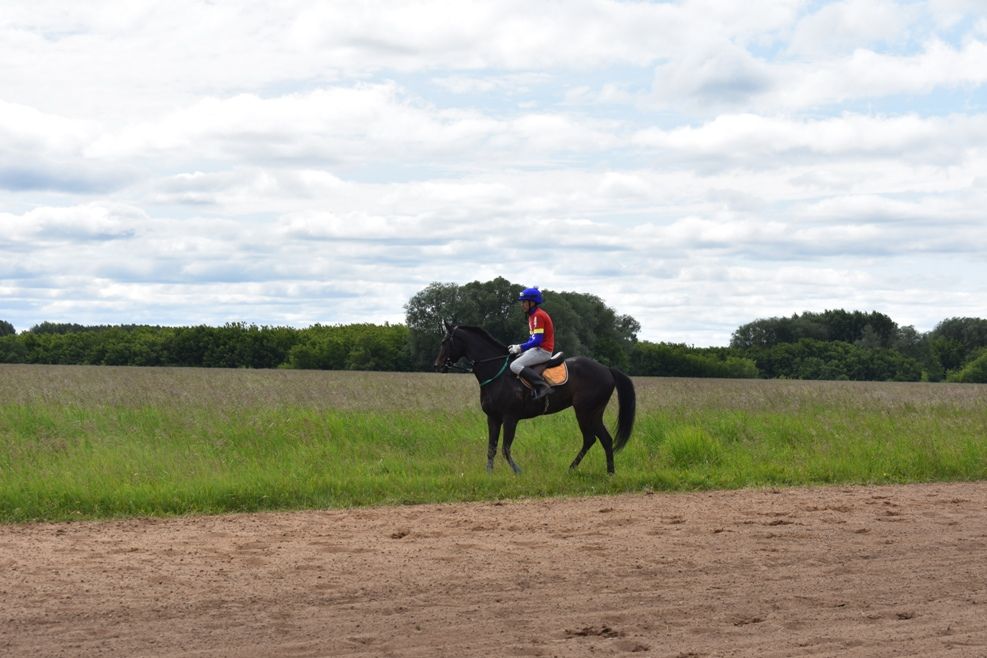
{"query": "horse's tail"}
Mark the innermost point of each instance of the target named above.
(627, 400)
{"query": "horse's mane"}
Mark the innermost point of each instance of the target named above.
(483, 333)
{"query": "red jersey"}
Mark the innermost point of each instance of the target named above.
(540, 325)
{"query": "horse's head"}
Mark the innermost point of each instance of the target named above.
(452, 349)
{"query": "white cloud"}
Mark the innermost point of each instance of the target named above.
(696, 163)
(852, 24)
(947, 13)
(511, 84)
(39, 151)
(869, 74)
(90, 222)
(746, 138)
(723, 77)
(344, 126)
(24, 128)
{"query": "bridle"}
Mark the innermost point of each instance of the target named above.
(449, 364)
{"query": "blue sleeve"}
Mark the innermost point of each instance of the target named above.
(534, 341)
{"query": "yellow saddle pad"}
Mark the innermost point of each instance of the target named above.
(558, 375)
(554, 376)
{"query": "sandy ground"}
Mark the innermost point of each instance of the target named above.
(879, 571)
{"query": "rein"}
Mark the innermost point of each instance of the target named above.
(507, 359)
(472, 366)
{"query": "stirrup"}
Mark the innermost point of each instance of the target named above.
(540, 391)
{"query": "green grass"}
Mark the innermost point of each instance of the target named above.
(91, 442)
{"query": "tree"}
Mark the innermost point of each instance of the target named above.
(761, 333)
(874, 329)
(6, 329)
(319, 348)
(486, 305)
(958, 340)
(584, 324)
(351, 347)
(974, 372)
(12, 350)
(59, 328)
(918, 346)
(816, 359)
(677, 360)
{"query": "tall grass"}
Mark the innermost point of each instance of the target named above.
(89, 442)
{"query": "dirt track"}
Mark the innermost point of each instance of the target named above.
(862, 571)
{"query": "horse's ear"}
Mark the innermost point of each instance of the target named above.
(447, 325)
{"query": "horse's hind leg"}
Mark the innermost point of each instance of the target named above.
(589, 437)
(591, 424)
(605, 439)
(510, 426)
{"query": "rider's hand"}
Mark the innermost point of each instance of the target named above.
(514, 349)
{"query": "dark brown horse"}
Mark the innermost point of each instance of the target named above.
(505, 400)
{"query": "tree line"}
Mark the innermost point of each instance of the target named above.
(834, 344)
(839, 344)
(234, 345)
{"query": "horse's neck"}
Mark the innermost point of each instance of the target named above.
(486, 352)
(482, 346)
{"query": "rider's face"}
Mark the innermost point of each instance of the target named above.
(526, 305)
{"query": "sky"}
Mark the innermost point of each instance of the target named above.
(697, 164)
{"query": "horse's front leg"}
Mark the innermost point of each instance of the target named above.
(493, 428)
(510, 426)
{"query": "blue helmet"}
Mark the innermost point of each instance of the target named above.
(531, 295)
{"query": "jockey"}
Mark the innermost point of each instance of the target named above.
(538, 348)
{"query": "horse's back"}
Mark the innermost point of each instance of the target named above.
(590, 382)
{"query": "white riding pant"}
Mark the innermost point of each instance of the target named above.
(528, 358)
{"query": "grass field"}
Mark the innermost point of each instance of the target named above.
(90, 442)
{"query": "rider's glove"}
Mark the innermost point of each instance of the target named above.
(514, 349)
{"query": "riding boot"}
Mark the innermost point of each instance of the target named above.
(541, 388)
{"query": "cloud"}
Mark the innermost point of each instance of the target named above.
(86, 56)
(228, 49)
(247, 189)
(945, 14)
(696, 163)
(717, 74)
(511, 84)
(728, 78)
(43, 151)
(344, 127)
(849, 25)
(869, 74)
(329, 227)
(89, 222)
(781, 141)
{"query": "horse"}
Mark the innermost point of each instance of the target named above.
(506, 400)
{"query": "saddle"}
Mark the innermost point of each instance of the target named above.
(555, 371)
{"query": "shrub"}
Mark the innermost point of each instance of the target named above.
(974, 372)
